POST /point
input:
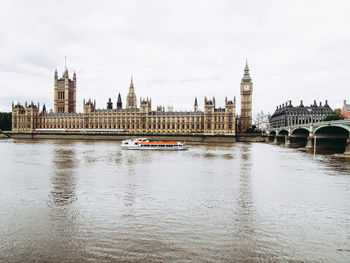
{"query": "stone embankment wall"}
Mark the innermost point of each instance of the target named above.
(119, 136)
(251, 137)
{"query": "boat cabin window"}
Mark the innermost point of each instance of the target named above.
(161, 145)
(169, 145)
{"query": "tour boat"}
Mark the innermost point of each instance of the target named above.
(146, 144)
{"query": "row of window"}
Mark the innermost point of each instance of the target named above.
(77, 126)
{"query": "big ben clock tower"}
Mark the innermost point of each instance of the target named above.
(246, 101)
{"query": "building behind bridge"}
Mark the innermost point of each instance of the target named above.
(138, 119)
(289, 115)
(345, 111)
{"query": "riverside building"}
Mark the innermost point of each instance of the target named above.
(136, 119)
(345, 111)
(288, 115)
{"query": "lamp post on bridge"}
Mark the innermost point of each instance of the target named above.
(311, 132)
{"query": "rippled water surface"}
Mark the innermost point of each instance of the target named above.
(77, 201)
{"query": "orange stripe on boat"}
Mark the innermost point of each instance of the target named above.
(158, 143)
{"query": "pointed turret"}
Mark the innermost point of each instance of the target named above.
(56, 74)
(246, 76)
(131, 88)
(119, 102)
(109, 104)
(65, 73)
(195, 104)
(131, 97)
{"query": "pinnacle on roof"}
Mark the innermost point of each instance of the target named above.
(246, 76)
(246, 65)
(65, 73)
(131, 88)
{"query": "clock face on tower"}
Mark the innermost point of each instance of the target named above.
(246, 87)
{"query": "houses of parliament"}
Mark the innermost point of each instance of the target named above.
(133, 118)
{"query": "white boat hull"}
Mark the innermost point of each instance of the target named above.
(145, 144)
(155, 148)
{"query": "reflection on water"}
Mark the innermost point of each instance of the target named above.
(78, 201)
(245, 214)
(63, 213)
(63, 176)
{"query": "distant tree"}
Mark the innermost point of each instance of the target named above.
(5, 121)
(252, 129)
(333, 117)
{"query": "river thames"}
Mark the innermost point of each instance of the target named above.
(79, 201)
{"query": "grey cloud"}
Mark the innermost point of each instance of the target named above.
(177, 50)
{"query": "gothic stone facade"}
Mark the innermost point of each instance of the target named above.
(131, 119)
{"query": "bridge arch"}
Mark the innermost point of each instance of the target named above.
(299, 137)
(332, 138)
(271, 135)
(298, 132)
(281, 136)
(307, 128)
(283, 132)
(344, 127)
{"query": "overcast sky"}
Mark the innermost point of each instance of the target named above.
(177, 50)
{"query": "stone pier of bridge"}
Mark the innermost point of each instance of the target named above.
(347, 148)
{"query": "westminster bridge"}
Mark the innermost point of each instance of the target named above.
(322, 135)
